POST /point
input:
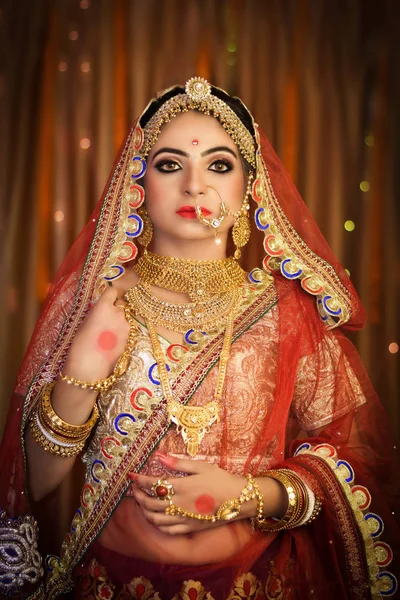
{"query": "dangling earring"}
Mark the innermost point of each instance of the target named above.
(147, 233)
(241, 226)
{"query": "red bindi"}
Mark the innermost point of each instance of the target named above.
(107, 340)
(205, 504)
(195, 142)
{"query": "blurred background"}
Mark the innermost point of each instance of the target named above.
(321, 78)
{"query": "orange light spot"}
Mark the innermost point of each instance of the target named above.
(107, 340)
(393, 348)
(84, 143)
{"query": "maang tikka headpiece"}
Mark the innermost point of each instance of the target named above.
(285, 250)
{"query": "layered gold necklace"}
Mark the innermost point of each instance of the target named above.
(215, 291)
(200, 279)
(202, 315)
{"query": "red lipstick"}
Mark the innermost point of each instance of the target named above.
(188, 212)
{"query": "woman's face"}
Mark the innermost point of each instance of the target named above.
(193, 161)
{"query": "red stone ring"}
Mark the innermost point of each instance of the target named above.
(162, 489)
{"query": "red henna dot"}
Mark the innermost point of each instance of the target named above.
(205, 504)
(107, 340)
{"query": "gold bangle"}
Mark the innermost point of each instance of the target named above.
(295, 509)
(58, 425)
(49, 446)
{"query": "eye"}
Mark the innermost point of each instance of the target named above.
(168, 166)
(221, 166)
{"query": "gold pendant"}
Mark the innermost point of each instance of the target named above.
(193, 422)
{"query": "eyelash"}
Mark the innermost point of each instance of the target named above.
(225, 162)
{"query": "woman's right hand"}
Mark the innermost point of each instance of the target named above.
(100, 340)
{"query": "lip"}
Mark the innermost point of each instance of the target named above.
(188, 212)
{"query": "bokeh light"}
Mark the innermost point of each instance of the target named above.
(393, 348)
(232, 47)
(349, 226)
(365, 186)
(84, 143)
(59, 216)
(85, 66)
(84, 4)
(231, 60)
(348, 272)
(369, 140)
(73, 35)
(62, 66)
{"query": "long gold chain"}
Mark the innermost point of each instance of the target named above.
(199, 316)
(200, 279)
(193, 422)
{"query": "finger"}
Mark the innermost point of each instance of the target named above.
(161, 519)
(185, 465)
(148, 483)
(147, 502)
(180, 529)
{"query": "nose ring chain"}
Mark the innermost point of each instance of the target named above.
(215, 222)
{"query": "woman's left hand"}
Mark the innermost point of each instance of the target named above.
(202, 492)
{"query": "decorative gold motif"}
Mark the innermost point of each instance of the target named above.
(192, 422)
(147, 233)
(198, 96)
(200, 279)
(198, 89)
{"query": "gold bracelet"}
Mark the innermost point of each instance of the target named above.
(174, 510)
(296, 503)
(45, 441)
(58, 425)
(229, 509)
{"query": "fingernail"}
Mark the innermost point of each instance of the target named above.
(133, 476)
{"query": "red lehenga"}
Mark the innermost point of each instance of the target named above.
(296, 396)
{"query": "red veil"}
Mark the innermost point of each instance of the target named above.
(348, 457)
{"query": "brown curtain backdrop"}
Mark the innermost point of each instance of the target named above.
(319, 76)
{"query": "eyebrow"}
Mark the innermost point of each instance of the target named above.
(205, 153)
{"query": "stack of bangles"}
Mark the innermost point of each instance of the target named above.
(299, 511)
(55, 435)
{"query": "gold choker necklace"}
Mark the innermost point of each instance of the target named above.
(202, 315)
(200, 279)
(192, 422)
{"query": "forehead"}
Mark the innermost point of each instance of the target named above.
(186, 127)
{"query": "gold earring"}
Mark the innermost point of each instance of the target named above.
(241, 227)
(147, 233)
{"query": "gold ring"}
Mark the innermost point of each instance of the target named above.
(163, 490)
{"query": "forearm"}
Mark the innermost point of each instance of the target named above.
(46, 470)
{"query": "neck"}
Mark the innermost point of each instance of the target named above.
(203, 249)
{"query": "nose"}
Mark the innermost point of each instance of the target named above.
(195, 183)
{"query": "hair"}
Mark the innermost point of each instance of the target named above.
(232, 101)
